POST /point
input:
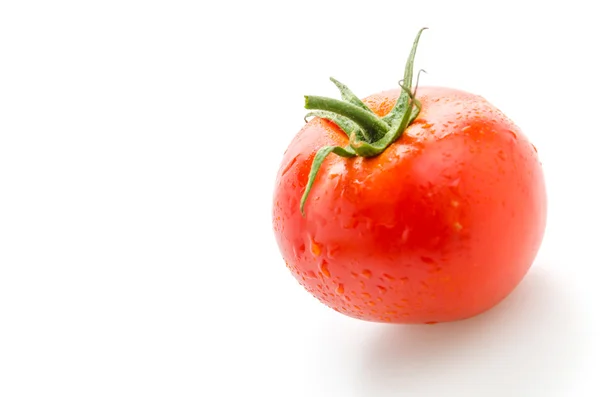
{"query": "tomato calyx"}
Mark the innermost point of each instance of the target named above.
(369, 135)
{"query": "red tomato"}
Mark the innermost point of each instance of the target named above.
(440, 226)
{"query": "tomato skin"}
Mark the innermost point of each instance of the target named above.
(441, 226)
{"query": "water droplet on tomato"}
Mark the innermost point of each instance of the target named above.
(315, 248)
(513, 134)
(501, 155)
(455, 182)
(387, 277)
(366, 274)
(289, 166)
(405, 233)
(299, 250)
(340, 289)
(434, 269)
(311, 274)
(381, 289)
(427, 260)
(332, 250)
(351, 223)
(365, 295)
(324, 269)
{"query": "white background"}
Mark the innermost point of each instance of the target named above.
(139, 143)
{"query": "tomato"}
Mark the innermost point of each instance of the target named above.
(441, 225)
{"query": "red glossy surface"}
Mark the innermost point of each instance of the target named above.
(442, 226)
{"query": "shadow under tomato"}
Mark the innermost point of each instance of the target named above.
(528, 345)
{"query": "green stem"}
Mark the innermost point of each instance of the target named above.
(348, 95)
(369, 122)
(348, 126)
(402, 101)
(369, 135)
(365, 149)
